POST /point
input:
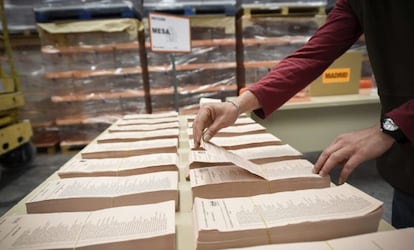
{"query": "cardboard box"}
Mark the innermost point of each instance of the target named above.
(341, 78)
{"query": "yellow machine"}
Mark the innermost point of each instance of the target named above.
(15, 146)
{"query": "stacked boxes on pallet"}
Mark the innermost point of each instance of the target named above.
(275, 29)
(86, 78)
(208, 70)
(92, 65)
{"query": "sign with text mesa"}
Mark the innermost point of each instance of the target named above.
(169, 33)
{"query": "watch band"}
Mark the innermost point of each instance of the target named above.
(390, 128)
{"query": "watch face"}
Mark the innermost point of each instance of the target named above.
(389, 125)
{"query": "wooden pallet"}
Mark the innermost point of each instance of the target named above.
(131, 46)
(194, 9)
(193, 89)
(277, 10)
(49, 147)
(45, 140)
(67, 147)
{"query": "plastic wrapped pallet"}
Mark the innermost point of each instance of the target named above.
(274, 32)
(209, 70)
(92, 65)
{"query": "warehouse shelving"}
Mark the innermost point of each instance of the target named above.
(209, 70)
(81, 62)
(279, 27)
(218, 66)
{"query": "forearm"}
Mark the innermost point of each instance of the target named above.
(247, 102)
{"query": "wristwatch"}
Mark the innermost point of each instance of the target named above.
(390, 128)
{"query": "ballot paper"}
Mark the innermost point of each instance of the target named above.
(222, 153)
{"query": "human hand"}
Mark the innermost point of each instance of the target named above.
(211, 118)
(351, 149)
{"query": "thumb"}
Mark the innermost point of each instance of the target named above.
(211, 131)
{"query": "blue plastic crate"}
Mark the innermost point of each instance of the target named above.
(46, 14)
(192, 8)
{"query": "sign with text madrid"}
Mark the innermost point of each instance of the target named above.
(169, 33)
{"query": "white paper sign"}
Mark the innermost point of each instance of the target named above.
(169, 33)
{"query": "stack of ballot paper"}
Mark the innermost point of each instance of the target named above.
(304, 215)
(133, 165)
(234, 181)
(92, 193)
(149, 226)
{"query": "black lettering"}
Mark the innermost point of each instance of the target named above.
(337, 75)
(161, 31)
(158, 18)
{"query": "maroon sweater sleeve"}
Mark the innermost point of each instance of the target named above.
(296, 71)
(403, 116)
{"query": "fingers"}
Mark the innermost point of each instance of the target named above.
(345, 173)
(338, 156)
(353, 162)
(212, 130)
(201, 122)
(211, 118)
(331, 160)
(323, 158)
(320, 162)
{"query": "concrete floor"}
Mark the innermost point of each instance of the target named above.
(16, 184)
